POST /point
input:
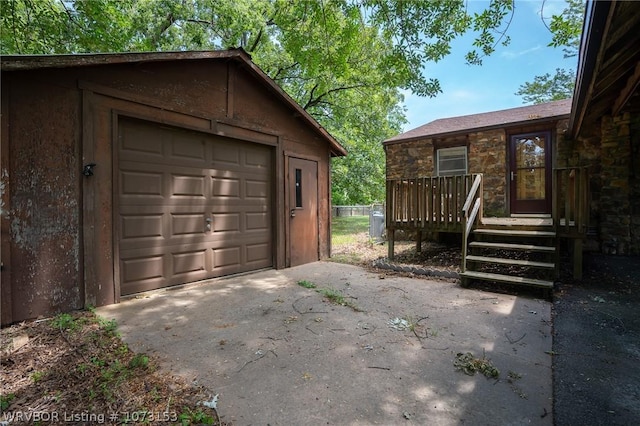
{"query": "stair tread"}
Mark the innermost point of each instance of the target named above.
(508, 246)
(514, 232)
(506, 279)
(511, 261)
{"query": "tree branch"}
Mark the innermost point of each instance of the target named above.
(280, 70)
(254, 46)
(169, 20)
(315, 101)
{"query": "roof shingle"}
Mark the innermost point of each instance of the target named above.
(475, 122)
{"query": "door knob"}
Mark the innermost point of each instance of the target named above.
(293, 212)
(208, 226)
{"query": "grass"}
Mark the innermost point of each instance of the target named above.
(344, 230)
(306, 284)
(336, 297)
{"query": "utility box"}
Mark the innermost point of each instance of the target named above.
(376, 225)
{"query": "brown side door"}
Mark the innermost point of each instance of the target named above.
(530, 173)
(303, 214)
(190, 206)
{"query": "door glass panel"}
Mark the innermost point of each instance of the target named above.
(298, 188)
(530, 168)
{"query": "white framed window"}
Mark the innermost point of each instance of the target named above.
(452, 161)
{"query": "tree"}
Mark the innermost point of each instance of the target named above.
(547, 88)
(344, 61)
(566, 30)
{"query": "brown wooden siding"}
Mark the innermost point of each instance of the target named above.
(60, 235)
(43, 197)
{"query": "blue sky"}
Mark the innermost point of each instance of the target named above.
(471, 89)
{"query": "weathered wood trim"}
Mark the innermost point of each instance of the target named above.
(234, 130)
(282, 226)
(136, 98)
(115, 206)
(628, 91)
(155, 115)
(88, 200)
(5, 180)
(231, 89)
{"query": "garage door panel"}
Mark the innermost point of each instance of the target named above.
(189, 262)
(139, 183)
(137, 141)
(227, 256)
(170, 183)
(257, 189)
(140, 269)
(187, 224)
(188, 186)
(225, 187)
(257, 221)
(137, 226)
(186, 147)
(225, 222)
(255, 159)
(259, 254)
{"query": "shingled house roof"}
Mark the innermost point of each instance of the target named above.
(487, 120)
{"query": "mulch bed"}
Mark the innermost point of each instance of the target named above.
(74, 369)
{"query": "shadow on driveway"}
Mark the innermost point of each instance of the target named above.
(281, 354)
(597, 344)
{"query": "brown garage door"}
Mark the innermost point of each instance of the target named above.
(191, 206)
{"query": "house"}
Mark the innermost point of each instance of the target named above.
(604, 130)
(538, 178)
(513, 149)
(124, 173)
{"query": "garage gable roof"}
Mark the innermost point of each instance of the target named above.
(32, 62)
(487, 120)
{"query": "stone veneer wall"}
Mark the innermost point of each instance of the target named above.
(488, 155)
(410, 159)
(634, 183)
(611, 149)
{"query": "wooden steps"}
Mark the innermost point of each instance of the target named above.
(514, 232)
(517, 262)
(511, 254)
(487, 276)
(507, 246)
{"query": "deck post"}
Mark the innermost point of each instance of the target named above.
(392, 235)
(419, 241)
(577, 258)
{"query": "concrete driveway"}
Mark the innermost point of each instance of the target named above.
(281, 354)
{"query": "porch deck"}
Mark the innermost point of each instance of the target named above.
(455, 204)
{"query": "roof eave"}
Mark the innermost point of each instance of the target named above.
(597, 16)
(477, 129)
(30, 62)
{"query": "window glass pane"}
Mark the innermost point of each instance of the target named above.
(452, 161)
(298, 187)
(530, 152)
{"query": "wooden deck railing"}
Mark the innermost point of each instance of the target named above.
(571, 201)
(427, 201)
(571, 210)
(426, 204)
(471, 213)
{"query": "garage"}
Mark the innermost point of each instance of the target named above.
(191, 206)
(131, 172)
